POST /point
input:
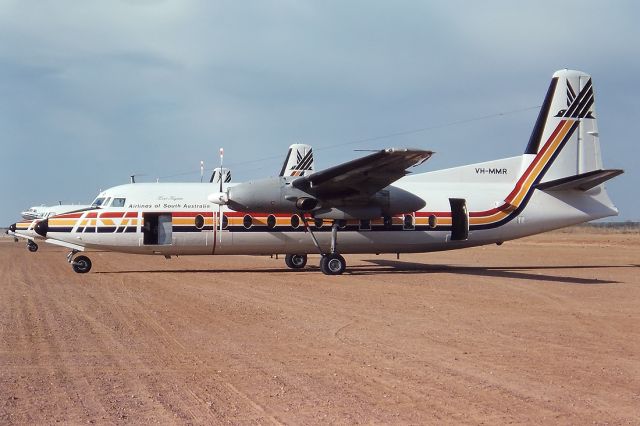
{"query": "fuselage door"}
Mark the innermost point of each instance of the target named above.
(156, 228)
(459, 219)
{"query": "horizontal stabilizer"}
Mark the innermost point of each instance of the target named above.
(581, 182)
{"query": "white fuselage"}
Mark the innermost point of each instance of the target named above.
(177, 219)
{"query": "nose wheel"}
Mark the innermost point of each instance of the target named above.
(80, 264)
(32, 247)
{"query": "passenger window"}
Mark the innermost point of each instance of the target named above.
(118, 202)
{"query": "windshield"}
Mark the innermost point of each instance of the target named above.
(118, 202)
(98, 202)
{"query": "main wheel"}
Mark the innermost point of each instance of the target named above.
(332, 264)
(296, 261)
(32, 247)
(81, 264)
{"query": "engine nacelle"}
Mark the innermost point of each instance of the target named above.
(396, 201)
(278, 195)
(274, 195)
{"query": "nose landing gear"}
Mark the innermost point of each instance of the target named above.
(80, 264)
(31, 246)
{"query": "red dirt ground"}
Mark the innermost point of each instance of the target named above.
(546, 329)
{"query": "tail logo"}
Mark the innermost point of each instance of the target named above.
(303, 163)
(578, 106)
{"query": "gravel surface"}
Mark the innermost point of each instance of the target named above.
(545, 329)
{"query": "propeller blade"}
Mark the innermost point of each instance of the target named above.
(220, 225)
(220, 205)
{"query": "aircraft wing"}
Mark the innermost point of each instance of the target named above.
(363, 176)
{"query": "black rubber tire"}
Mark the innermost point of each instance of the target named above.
(296, 261)
(333, 264)
(32, 247)
(81, 264)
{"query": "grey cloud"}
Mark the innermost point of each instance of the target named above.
(94, 91)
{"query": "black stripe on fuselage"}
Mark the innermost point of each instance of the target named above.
(529, 193)
(191, 228)
(61, 229)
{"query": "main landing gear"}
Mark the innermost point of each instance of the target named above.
(31, 246)
(331, 263)
(80, 264)
(296, 261)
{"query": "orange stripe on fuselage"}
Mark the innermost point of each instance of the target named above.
(523, 186)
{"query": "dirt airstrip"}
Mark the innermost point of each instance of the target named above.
(545, 329)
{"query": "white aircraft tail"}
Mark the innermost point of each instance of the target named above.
(220, 173)
(299, 161)
(566, 132)
(565, 150)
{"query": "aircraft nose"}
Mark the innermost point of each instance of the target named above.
(42, 227)
(12, 227)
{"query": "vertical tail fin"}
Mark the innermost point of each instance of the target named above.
(567, 119)
(299, 161)
(220, 173)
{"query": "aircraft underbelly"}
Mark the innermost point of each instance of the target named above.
(348, 242)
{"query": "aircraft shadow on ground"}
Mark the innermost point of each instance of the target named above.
(385, 266)
(198, 271)
(510, 272)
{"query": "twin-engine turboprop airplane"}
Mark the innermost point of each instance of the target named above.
(368, 205)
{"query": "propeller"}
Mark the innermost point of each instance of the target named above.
(227, 199)
(220, 198)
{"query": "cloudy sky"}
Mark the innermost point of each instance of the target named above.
(91, 92)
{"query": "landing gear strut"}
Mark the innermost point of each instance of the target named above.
(31, 246)
(331, 263)
(80, 264)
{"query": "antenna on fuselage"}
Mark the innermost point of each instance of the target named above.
(201, 170)
(132, 177)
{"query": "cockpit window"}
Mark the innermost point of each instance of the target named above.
(118, 202)
(98, 202)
